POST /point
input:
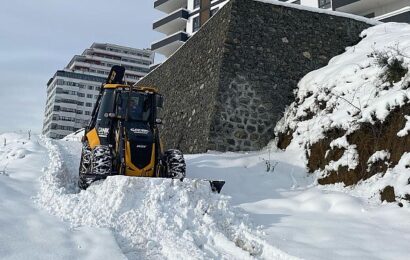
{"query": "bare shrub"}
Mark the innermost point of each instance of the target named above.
(393, 64)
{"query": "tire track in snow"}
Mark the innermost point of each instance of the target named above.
(152, 218)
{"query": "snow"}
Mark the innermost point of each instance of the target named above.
(28, 232)
(277, 214)
(403, 132)
(76, 136)
(302, 219)
(151, 218)
(379, 156)
(350, 158)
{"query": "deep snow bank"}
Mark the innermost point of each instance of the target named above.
(27, 231)
(350, 117)
(76, 136)
(152, 218)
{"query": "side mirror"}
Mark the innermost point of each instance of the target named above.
(159, 100)
(158, 121)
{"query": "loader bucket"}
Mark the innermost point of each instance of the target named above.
(216, 186)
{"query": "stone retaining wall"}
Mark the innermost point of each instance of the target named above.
(226, 88)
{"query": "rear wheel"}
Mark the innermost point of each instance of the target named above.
(175, 166)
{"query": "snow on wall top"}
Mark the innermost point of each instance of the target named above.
(322, 11)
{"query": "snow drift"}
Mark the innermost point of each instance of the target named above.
(350, 117)
(152, 218)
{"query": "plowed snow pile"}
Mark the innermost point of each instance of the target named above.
(27, 231)
(153, 218)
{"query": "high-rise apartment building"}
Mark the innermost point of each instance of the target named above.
(71, 92)
(184, 17)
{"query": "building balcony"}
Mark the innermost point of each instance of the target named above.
(336, 4)
(398, 16)
(170, 44)
(172, 23)
(169, 6)
(368, 7)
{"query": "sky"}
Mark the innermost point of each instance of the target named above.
(39, 37)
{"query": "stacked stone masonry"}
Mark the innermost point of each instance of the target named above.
(227, 87)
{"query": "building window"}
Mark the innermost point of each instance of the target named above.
(325, 4)
(87, 113)
(213, 11)
(195, 24)
(90, 87)
(88, 104)
(89, 95)
(197, 3)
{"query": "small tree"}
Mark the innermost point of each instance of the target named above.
(392, 61)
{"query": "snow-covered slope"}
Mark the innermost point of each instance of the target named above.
(275, 214)
(350, 117)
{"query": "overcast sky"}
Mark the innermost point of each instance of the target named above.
(39, 37)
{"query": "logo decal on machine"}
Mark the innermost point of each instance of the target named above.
(103, 132)
(139, 131)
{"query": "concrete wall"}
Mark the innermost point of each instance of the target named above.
(227, 87)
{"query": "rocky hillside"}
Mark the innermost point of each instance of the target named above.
(352, 117)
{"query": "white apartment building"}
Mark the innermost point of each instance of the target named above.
(184, 17)
(100, 57)
(71, 92)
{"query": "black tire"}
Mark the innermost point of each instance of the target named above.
(101, 160)
(175, 166)
(85, 164)
(83, 183)
(95, 162)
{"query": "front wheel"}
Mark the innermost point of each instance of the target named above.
(85, 164)
(95, 165)
(101, 160)
(175, 166)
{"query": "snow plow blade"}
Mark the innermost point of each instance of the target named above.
(216, 186)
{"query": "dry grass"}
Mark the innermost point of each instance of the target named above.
(369, 138)
(317, 159)
(284, 139)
